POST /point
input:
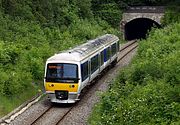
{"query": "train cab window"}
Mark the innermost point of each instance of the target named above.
(113, 49)
(102, 58)
(62, 72)
(94, 63)
(84, 71)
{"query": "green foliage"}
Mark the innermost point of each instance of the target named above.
(111, 10)
(48, 13)
(84, 8)
(172, 14)
(7, 104)
(15, 82)
(31, 32)
(148, 91)
(126, 3)
(29, 45)
(107, 10)
(155, 103)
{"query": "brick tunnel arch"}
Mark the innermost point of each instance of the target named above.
(138, 28)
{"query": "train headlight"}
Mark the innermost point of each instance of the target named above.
(71, 86)
(51, 85)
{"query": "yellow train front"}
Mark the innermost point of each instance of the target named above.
(61, 82)
(67, 73)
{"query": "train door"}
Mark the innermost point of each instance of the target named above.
(101, 60)
(89, 71)
(84, 74)
(107, 55)
(94, 66)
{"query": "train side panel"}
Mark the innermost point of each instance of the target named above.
(63, 84)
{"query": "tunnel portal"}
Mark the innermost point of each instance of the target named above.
(138, 20)
(138, 28)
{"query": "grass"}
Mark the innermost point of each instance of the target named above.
(7, 104)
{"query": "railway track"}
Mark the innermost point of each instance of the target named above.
(47, 110)
(57, 113)
(124, 51)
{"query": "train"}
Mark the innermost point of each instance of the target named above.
(68, 73)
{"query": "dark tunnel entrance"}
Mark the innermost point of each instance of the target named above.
(138, 28)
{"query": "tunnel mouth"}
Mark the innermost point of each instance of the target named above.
(138, 28)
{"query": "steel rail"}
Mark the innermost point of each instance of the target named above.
(124, 48)
(41, 115)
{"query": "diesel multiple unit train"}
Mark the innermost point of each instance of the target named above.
(67, 73)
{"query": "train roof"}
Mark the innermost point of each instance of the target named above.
(80, 52)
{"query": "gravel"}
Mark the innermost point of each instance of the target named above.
(81, 110)
(80, 113)
(27, 117)
(52, 117)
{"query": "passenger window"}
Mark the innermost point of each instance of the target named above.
(105, 55)
(108, 53)
(84, 71)
(94, 63)
(102, 58)
(113, 49)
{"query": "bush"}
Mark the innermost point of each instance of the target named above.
(150, 104)
(32, 31)
(14, 82)
(108, 11)
(148, 91)
(169, 14)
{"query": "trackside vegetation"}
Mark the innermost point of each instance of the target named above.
(147, 92)
(31, 32)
